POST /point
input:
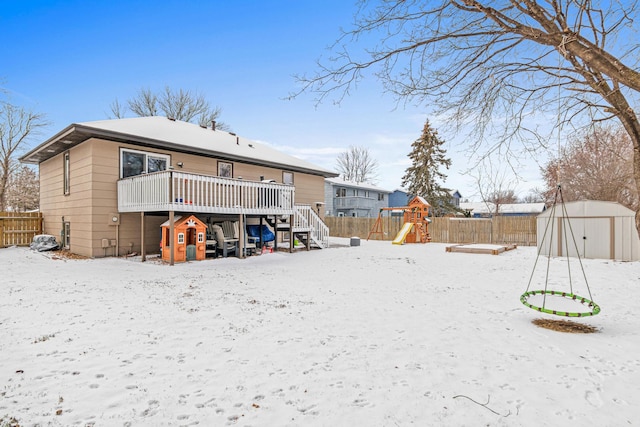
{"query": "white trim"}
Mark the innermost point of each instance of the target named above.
(147, 154)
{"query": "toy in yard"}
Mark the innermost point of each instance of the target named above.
(553, 301)
(416, 222)
(189, 239)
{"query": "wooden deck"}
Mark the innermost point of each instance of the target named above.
(481, 248)
(187, 192)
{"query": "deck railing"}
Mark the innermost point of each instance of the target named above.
(305, 219)
(180, 191)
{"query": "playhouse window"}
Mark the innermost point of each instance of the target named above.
(200, 237)
(133, 162)
(181, 238)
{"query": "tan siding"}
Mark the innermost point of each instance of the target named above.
(94, 172)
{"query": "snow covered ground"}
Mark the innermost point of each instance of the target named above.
(374, 335)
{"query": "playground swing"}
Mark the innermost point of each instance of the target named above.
(528, 297)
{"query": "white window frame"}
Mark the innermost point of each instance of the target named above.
(181, 238)
(147, 154)
(66, 235)
(67, 174)
(287, 177)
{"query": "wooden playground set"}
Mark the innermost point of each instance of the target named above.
(416, 222)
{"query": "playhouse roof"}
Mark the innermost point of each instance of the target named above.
(419, 200)
(175, 135)
(179, 220)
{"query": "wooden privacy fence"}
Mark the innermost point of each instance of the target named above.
(518, 230)
(18, 228)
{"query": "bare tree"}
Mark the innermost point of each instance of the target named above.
(594, 166)
(17, 125)
(180, 105)
(494, 184)
(484, 60)
(535, 195)
(357, 165)
(23, 190)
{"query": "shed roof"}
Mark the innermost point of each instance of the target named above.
(175, 135)
(592, 208)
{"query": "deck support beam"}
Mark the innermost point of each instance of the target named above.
(171, 238)
(143, 253)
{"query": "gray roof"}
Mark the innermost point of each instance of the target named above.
(351, 184)
(505, 208)
(175, 135)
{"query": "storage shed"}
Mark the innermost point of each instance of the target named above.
(604, 230)
(189, 239)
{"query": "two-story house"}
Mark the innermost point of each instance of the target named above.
(346, 198)
(107, 186)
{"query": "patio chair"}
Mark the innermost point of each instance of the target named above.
(225, 245)
(230, 229)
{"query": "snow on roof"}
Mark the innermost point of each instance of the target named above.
(592, 208)
(363, 185)
(157, 131)
(486, 208)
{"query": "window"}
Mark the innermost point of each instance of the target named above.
(67, 175)
(225, 169)
(200, 237)
(134, 162)
(341, 192)
(380, 196)
(181, 238)
(66, 235)
(287, 178)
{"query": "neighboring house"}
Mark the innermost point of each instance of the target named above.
(486, 210)
(400, 198)
(345, 198)
(107, 186)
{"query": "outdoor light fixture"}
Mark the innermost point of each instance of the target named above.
(180, 164)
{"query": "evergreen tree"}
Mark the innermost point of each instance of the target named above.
(423, 177)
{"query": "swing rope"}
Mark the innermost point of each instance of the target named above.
(594, 308)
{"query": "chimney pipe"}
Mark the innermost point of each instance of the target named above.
(213, 125)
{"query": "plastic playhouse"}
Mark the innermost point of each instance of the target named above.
(189, 237)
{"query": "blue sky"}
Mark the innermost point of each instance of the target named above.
(71, 59)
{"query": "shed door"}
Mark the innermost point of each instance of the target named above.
(592, 238)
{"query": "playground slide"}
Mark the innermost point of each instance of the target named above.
(402, 234)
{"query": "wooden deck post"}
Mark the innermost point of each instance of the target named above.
(241, 236)
(291, 236)
(171, 238)
(142, 251)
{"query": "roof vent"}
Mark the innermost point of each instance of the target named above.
(203, 126)
(172, 119)
(213, 125)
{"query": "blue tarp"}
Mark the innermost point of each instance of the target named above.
(267, 234)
